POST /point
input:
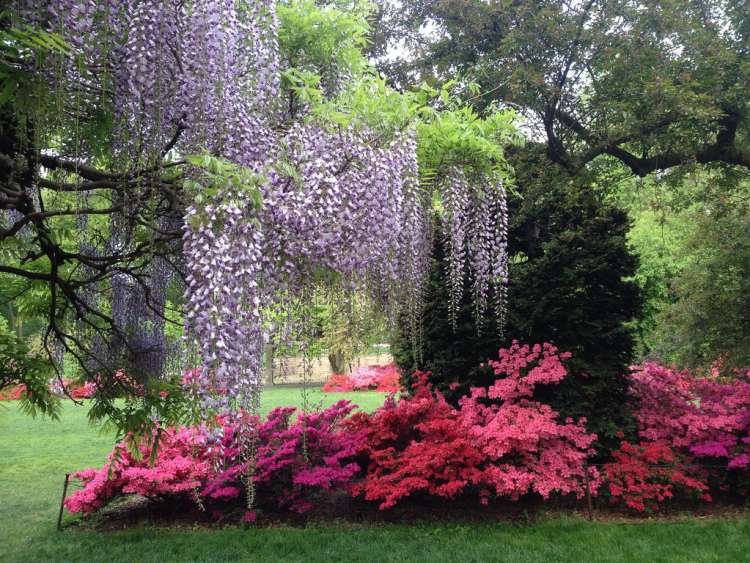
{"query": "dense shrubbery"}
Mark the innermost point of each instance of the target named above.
(646, 475)
(695, 433)
(704, 416)
(499, 441)
(296, 459)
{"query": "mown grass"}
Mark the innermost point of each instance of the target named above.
(36, 453)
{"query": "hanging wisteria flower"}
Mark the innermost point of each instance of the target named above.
(274, 200)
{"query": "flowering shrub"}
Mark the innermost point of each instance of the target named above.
(416, 444)
(295, 460)
(85, 391)
(646, 475)
(75, 390)
(120, 383)
(692, 427)
(377, 378)
(526, 448)
(498, 441)
(14, 393)
(707, 417)
(180, 467)
(338, 383)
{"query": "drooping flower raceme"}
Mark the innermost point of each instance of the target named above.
(344, 203)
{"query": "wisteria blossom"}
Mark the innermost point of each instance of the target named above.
(299, 196)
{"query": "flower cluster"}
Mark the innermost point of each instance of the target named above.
(75, 390)
(14, 393)
(476, 230)
(508, 446)
(646, 475)
(295, 461)
(376, 378)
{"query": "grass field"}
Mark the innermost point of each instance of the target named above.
(35, 454)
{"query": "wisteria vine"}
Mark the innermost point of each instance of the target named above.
(282, 200)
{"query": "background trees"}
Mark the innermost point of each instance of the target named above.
(617, 90)
(653, 85)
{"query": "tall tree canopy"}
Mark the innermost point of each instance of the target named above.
(651, 84)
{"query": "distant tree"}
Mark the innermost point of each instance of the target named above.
(652, 84)
(709, 316)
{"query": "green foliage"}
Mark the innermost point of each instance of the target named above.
(690, 233)
(655, 85)
(22, 44)
(19, 365)
(458, 136)
(574, 288)
(708, 319)
(325, 38)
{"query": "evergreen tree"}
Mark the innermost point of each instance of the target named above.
(569, 285)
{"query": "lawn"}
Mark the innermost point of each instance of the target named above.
(36, 453)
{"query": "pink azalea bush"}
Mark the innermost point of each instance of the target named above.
(180, 467)
(707, 417)
(693, 428)
(376, 378)
(296, 459)
(499, 441)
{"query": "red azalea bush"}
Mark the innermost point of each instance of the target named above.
(416, 444)
(338, 383)
(296, 459)
(14, 393)
(499, 441)
(647, 475)
(374, 378)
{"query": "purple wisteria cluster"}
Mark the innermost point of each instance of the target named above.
(476, 233)
(203, 76)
